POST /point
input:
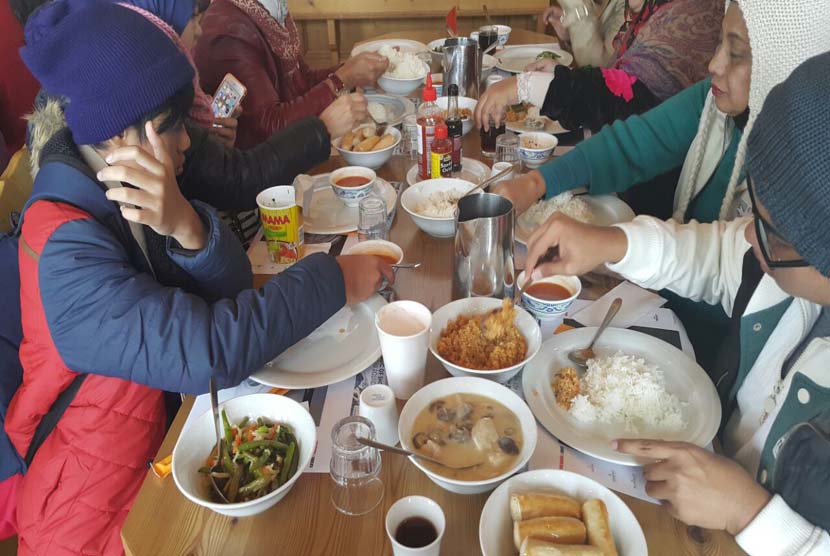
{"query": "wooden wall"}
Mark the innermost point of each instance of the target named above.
(357, 20)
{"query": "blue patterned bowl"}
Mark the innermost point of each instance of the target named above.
(351, 196)
(536, 147)
(545, 309)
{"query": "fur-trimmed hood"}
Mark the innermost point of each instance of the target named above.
(45, 122)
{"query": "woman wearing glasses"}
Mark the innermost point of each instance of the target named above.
(771, 272)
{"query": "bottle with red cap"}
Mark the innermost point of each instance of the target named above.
(441, 154)
(430, 115)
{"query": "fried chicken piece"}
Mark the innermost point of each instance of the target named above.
(566, 387)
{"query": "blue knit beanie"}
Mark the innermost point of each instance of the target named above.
(789, 160)
(175, 13)
(111, 63)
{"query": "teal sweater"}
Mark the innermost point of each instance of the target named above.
(641, 148)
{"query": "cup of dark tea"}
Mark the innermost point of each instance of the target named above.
(488, 138)
(550, 298)
(415, 526)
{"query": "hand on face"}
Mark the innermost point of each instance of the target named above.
(157, 200)
(552, 16)
(345, 113)
(494, 102)
(362, 70)
(699, 487)
(363, 275)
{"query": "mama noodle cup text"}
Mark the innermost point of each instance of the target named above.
(282, 223)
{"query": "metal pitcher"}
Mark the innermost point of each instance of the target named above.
(462, 66)
(483, 247)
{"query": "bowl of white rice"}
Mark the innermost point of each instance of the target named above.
(432, 204)
(406, 71)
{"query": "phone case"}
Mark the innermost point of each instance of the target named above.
(228, 96)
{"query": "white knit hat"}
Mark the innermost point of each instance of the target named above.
(782, 35)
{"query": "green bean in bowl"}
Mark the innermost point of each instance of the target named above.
(259, 456)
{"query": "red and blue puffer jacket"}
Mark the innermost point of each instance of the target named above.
(90, 304)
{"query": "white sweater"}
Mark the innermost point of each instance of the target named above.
(704, 262)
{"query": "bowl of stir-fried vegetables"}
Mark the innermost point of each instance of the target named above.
(268, 442)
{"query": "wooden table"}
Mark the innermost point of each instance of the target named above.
(163, 522)
(517, 36)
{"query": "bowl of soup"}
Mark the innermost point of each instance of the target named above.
(387, 251)
(468, 421)
(536, 147)
(352, 183)
(550, 297)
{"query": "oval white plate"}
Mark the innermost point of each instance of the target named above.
(495, 528)
(473, 171)
(513, 59)
(607, 210)
(402, 44)
(684, 378)
(401, 106)
(328, 215)
(552, 127)
(338, 349)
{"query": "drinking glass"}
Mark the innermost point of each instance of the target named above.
(371, 218)
(487, 36)
(354, 468)
(488, 138)
(409, 141)
(507, 148)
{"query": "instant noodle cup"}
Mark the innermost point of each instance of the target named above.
(282, 223)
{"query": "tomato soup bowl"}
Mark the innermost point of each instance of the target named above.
(351, 195)
(550, 308)
(199, 439)
(386, 250)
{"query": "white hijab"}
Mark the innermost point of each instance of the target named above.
(277, 8)
(782, 35)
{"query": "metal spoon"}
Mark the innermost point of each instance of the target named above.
(581, 356)
(214, 406)
(490, 180)
(406, 265)
(401, 451)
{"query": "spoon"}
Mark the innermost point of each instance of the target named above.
(581, 356)
(406, 265)
(401, 451)
(490, 180)
(214, 406)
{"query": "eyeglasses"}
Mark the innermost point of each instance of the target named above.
(777, 252)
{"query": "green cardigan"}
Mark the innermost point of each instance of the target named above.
(641, 148)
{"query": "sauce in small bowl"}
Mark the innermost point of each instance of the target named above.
(352, 183)
(550, 297)
(387, 251)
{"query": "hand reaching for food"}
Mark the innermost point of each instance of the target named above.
(547, 65)
(523, 191)
(342, 115)
(494, 102)
(697, 486)
(362, 70)
(553, 16)
(363, 276)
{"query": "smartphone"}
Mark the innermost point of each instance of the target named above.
(228, 96)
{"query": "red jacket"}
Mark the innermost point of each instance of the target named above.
(281, 89)
(17, 86)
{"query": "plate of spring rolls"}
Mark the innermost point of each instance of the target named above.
(550, 512)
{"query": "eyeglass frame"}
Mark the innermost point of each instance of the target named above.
(763, 230)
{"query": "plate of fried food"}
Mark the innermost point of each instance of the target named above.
(550, 512)
(484, 337)
(369, 146)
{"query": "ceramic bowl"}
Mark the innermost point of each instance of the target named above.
(401, 87)
(547, 309)
(198, 440)
(468, 385)
(351, 196)
(476, 306)
(372, 159)
(377, 247)
(416, 195)
(536, 156)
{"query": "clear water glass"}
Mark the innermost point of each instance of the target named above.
(409, 141)
(372, 218)
(354, 468)
(507, 148)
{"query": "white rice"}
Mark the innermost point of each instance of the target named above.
(402, 65)
(440, 204)
(566, 203)
(624, 389)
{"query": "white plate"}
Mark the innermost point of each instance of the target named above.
(328, 215)
(607, 210)
(495, 528)
(473, 171)
(684, 378)
(340, 348)
(403, 44)
(401, 106)
(513, 59)
(552, 127)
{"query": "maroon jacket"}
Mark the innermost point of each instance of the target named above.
(282, 88)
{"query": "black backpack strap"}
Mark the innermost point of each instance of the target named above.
(50, 420)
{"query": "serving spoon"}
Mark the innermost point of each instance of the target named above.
(581, 356)
(214, 406)
(490, 180)
(395, 450)
(406, 265)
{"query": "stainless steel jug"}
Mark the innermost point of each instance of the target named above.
(462, 66)
(483, 247)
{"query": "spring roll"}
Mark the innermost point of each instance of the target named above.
(564, 530)
(367, 144)
(538, 547)
(369, 131)
(541, 504)
(385, 141)
(595, 515)
(348, 141)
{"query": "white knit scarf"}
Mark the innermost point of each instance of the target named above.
(277, 8)
(782, 35)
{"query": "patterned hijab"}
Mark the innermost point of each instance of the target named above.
(634, 22)
(276, 24)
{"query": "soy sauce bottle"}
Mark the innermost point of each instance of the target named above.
(454, 126)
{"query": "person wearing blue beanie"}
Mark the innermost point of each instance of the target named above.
(770, 486)
(129, 289)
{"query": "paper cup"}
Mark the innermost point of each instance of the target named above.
(282, 223)
(403, 330)
(377, 403)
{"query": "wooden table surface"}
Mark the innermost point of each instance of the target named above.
(163, 522)
(517, 36)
